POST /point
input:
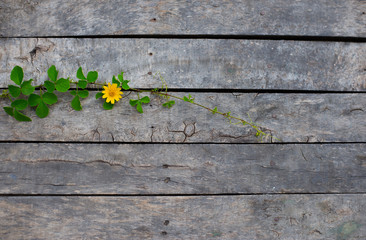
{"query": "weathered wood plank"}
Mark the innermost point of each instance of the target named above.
(263, 217)
(30, 168)
(250, 17)
(290, 117)
(197, 63)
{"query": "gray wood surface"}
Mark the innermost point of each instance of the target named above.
(265, 217)
(290, 117)
(52, 168)
(249, 17)
(194, 63)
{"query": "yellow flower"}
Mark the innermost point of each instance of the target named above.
(112, 93)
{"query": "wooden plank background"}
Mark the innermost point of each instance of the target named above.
(58, 168)
(190, 217)
(297, 67)
(334, 118)
(214, 17)
(194, 63)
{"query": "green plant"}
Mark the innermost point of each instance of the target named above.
(23, 94)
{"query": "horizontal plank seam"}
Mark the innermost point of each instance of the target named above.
(177, 195)
(176, 143)
(233, 90)
(209, 36)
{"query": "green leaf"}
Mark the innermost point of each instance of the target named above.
(145, 99)
(125, 85)
(17, 75)
(62, 85)
(188, 99)
(98, 95)
(27, 87)
(9, 110)
(139, 108)
(169, 104)
(21, 117)
(14, 91)
(214, 110)
(73, 92)
(133, 102)
(120, 77)
(75, 103)
(52, 73)
(42, 110)
(50, 86)
(114, 80)
(80, 74)
(83, 93)
(82, 84)
(49, 98)
(92, 76)
(108, 106)
(34, 100)
(20, 104)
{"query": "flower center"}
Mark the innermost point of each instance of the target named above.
(112, 93)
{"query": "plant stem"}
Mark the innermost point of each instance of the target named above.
(207, 108)
(227, 115)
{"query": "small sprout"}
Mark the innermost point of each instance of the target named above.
(169, 104)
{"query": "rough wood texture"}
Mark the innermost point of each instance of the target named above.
(30, 168)
(290, 117)
(250, 17)
(197, 63)
(284, 217)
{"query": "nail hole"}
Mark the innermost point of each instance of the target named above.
(363, 13)
(153, 20)
(166, 180)
(166, 222)
(150, 73)
(151, 54)
(164, 233)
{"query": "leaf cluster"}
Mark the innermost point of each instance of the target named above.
(23, 93)
(82, 83)
(138, 103)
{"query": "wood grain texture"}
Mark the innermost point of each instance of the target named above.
(290, 117)
(194, 63)
(51, 168)
(250, 17)
(265, 217)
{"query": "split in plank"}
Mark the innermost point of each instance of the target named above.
(194, 63)
(235, 17)
(53, 168)
(289, 117)
(263, 217)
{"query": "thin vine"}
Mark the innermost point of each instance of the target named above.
(110, 92)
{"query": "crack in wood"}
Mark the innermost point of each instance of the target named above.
(303, 155)
(184, 131)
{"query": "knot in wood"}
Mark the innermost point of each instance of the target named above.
(190, 129)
